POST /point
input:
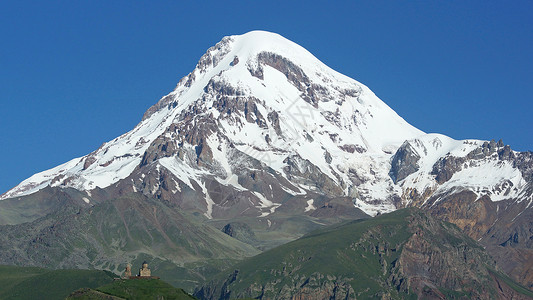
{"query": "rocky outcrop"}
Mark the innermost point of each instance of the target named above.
(524, 162)
(504, 228)
(240, 231)
(448, 165)
(404, 162)
(431, 264)
(311, 92)
(315, 287)
(304, 172)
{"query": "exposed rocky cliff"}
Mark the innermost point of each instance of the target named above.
(493, 205)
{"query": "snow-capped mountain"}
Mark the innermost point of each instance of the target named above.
(260, 120)
(263, 132)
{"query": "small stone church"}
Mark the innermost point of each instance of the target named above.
(144, 272)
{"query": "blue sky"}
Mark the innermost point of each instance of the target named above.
(75, 74)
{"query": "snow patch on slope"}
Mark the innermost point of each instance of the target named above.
(497, 179)
(310, 205)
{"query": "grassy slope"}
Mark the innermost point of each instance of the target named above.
(367, 267)
(37, 283)
(90, 294)
(10, 276)
(316, 252)
(281, 229)
(134, 289)
(346, 253)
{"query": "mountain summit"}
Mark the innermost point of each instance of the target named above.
(259, 96)
(262, 129)
(259, 103)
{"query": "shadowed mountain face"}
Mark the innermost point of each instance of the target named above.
(263, 134)
(124, 230)
(402, 255)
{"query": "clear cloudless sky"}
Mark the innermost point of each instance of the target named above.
(75, 74)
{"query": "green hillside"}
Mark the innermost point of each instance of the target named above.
(37, 283)
(143, 289)
(402, 255)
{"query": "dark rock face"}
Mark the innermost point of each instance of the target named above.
(524, 162)
(192, 132)
(89, 161)
(252, 113)
(351, 148)
(311, 92)
(273, 117)
(304, 171)
(220, 88)
(327, 157)
(448, 165)
(216, 292)
(404, 162)
(294, 73)
(214, 55)
(445, 167)
(311, 288)
(423, 260)
(504, 228)
(240, 231)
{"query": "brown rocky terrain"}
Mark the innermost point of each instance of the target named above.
(504, 227)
